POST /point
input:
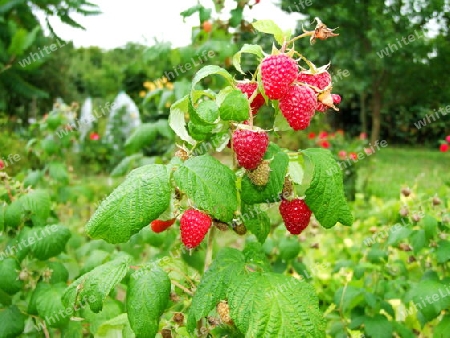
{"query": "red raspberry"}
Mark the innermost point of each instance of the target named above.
(159, 226)
(336, 98)
(298, 106)
(250, 147)
(277, 73)
(319, 80)
(194, 225)
(249, 88)
(296, 215)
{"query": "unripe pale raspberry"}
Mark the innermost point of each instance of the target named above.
(248, 88)
(277, 73)
(298, 106)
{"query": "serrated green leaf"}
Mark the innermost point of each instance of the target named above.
(269, 193)
(378, 326)
(296, 172)
(126, 165)
(18, 42)
(210, 184)
(228, 264)
(443, 251)
(139, 200)
(73, 330)
(270, 27)
(177, 121)
(207, 112)
(417, 240)
(256, 221)
(147, 298)
(14, 214)
(280, 123)
(49, 241)
(236, 16)
(199, 132)
(348, 297)
(247, 49)
(325, 195)
(9, 276)
(37, 205)
(59, 273)
(13, 322)
(443, 328)
(207, 71)
(32, 304)
(50, 307)
(116, 327)
(235, 107)
(274, 305)
(94, 286)
(146, 134)
(430, 225)
(430, 298)
(58, 172)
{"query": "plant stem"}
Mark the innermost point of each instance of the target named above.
(178, 285)
(209, 248)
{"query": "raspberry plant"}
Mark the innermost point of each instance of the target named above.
(239, 287)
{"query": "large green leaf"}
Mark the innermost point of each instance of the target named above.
(94, 286)
(213, 287)
(430, 298)
(207, 71)
(273, 305)
(140, 199)
(2, 218)
(235, 107)
(256, 220)
(12, 322)
(50, 307)
(147, 298)
(443, 328)
(146, 134)
(250, 49)
(48, 241)
(210, 184)
(177, 119)
(325, 195)
(443, 251)
(35, 205)
(252, 194)
(270, 27)
(9, 276)
(378, 326)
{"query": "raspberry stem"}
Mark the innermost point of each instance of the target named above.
(209, 248)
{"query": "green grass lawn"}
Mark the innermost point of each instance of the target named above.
(389, 169)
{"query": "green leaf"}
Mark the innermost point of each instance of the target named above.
(139, 200)
(207, 71)
(443, 328)
(280, 123)
(2, 218)
(94, 287)
(235, 107)
(207, 112)
(236, 17)
(269, 193)
(270, 27)
(73, 330)
(228, 264)
(289, 247)
(147, 297)
(59, 273)
(177, 121)
(274, 305)
(14, 214)
(378, 326)
(18, 42)
(256, 221)
(13, 322)
(443, 251)
(417, 239)
(146, 134)
(325, 195)
(32, 304)
(351, 298)
(37, 205)
(126, 165)
(430, 225)
(116, 327)
(49, 241)
(248, 49)
(188, 12)
(430, 297)
(9, 276)
(50, 307)
(210, 184)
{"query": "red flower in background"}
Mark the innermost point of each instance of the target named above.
(94, 137)
(342, 154)
(325, 144)
(2, 165)
(363, 136)
(444, 147)
(353, 156)
(311, 136)
(323, 135)
(448, 139)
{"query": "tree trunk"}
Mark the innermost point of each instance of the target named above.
(376, 113)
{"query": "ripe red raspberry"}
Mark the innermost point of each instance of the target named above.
(298, 106)
(249, 88)
(336, 98)
(159, 226)
(194, 225)
(296, 215)
(319, 80)
(277, 73)
(250, 147)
